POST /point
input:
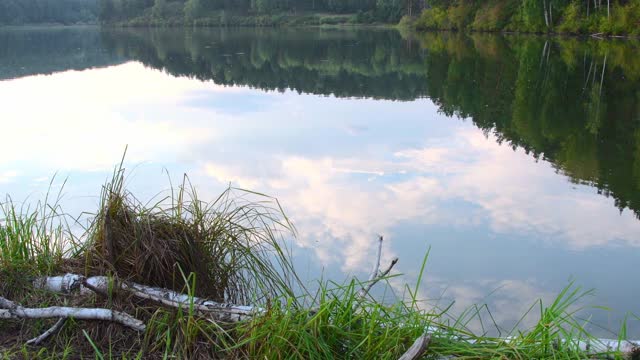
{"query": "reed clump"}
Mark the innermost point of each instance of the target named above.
(230, 247)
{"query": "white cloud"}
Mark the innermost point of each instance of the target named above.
(8, 176)
(331, 204)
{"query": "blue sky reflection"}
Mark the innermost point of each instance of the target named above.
(344, 170)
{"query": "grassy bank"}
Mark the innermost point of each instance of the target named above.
(529, 16)
(229, 250)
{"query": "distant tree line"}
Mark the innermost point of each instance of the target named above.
(539, 16)
(19, 12)
(362, 10)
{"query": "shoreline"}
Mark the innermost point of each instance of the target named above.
(351, 26)
(597, 36)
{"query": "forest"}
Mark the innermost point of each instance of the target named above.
(617, 17)
(597, 17)
(65, 12)
(593, 17)
(255, 12)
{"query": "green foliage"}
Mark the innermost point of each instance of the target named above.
(406, 23)
(19, 12)
(461, 15)
(432, 19)
(33, 241)
(252, 12)
(572, 19)
(494, 15)
(534, 16)
(159, 9)
(530, 16)
(192, 9)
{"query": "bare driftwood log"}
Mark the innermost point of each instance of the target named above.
(417, 349)
(100, 284)
(11, 310)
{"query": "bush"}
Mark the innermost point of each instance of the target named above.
(460, 15)
(406, 22)
(572, 20)
(494, 15)
(434, 18)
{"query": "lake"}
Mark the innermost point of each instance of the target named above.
(515, 160)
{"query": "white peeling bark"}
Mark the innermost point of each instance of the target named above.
(100, 284)
(417, 349)
(15, 311)
(221, 312)
(61, 284)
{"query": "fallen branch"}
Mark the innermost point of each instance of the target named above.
(14, 311)
(221, 312)
(100, 284)
(64, 284)
(417, 349)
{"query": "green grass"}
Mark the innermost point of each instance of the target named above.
(32, 240)
(231, 246)
(231, 250)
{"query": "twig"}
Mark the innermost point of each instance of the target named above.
(365, 290)
(52, 330)
(374, 272)
(417, 349)
(376, 275)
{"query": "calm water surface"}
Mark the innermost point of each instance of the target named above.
(516, 159)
